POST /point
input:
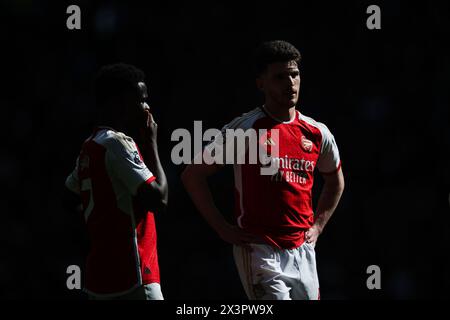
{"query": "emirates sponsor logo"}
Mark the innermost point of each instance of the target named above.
(293, 164)
(306, 144)
(292, 170)
(298, 177)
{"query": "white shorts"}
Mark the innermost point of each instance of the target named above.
(278, 274)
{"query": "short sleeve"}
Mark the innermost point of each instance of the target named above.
(125, 161)
(329, 159)
(72, 182)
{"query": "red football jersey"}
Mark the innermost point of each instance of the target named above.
(122, 234)
(278, 207)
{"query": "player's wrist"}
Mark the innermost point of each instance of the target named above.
(221, 227)
(151, 144)
(149, 141)
(148, 133)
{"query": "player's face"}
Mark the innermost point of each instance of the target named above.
(139, 103)
(280, 83)
(136, 103)
(143, 96)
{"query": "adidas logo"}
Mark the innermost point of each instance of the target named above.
(269, 142)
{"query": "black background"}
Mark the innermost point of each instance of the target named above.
(383, 93)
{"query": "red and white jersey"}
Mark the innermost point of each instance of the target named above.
(122, 234)
(279, 207)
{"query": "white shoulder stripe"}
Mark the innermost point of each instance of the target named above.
(233, 123)
(313, 122)
(308, 120)
(246, 120)
(110, 139)
(324, 131)
(329, 159)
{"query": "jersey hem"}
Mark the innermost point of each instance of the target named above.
(121, 293)
(114, 294)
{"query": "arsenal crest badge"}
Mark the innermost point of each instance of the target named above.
(306, 144)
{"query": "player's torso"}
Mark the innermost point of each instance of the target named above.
(102, 193)
(119, 229)
(294, 149)
(280, 201)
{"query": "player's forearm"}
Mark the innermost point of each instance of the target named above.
(328, 200)
(196, 185)
(151, 159)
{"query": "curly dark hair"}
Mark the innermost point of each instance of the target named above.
(274, 51)
(115, 79)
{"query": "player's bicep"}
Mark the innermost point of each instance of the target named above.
(335, 178)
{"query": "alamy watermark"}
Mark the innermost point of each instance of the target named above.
(234, 146)
(74, 279)
(374, 20)
(74, 20)
(374, 280)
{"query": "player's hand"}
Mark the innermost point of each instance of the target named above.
(312, 235)
(235, 235)
(149, 127)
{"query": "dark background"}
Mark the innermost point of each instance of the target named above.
(383, 93)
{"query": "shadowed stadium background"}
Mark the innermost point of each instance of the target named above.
(383, 93)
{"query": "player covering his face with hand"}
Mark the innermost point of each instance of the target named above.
(121, 182)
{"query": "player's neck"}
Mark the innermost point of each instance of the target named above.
(281, 114)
